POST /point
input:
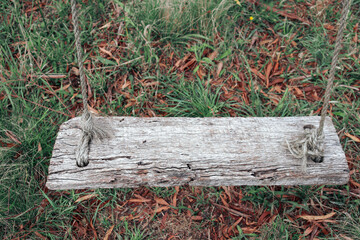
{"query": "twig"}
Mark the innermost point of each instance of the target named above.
(119, 65)
(53, 110)
(232, 211)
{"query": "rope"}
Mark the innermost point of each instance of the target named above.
(89, 129)
(329, 87)
(310, 145)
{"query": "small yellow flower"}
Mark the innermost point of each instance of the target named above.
(238, 2)
(251, 18)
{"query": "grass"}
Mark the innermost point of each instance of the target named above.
(186, 59)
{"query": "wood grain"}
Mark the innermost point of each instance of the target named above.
(196, 151)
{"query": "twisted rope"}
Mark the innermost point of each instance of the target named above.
(329, 87)
(89, 129)
(310, 145)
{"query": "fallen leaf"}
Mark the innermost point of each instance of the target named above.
(161, 201)
(219, 68)
(354, 183)
(356, 139)
(160, 209)
(309, 230)
(197, 218)
(213, 55)
(40, 236)
(345, 237)
(316, 218)
(151, 84)
(248, 230)
(86, 197)
(174, 200)
(267, 73)
(108, 232)
(254, 39)
(188, 64)
(328, 26)
(12, 136)
(93, 110)
(106, 51)
(139, 199)
(107, 25)
(235, 224)
(75, 71)
(257, 73)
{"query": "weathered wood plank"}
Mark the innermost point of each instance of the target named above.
(194, 151)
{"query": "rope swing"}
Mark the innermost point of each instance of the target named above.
(212, 151)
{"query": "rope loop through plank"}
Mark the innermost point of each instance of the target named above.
(89, 130)
(310, 145)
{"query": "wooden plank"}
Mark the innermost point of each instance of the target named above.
(194, 151)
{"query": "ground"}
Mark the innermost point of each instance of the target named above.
(179, 58)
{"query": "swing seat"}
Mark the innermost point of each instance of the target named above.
(177, 151)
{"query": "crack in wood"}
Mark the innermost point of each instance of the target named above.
(113, 158)
(143, 164)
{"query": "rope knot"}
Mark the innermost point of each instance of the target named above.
(89, 132)
(87, 123)
(308, 147)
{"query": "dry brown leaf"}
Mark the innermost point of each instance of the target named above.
(64, 87)
(51, 76)
(328, 26)
(345, 237)
(93, 110)
(106, 51)
(197, 218)
(227, 191)
(178, 63)
(160, 209)
(248, 230)
(39, 235)
(257, 73)
(254, 39)
(75, 70)
(298, 92)
(174, 200)
(317, 218)
(267, 73)
(219, 68)
(86, 197)
(139, 199)
(235, 224)
(213, 55)
(151, 84)
(354, 183)
(107, 25)
(12, 136)
(188, 64)
(161, 201)
(309, 230)
(356, 139)
(200, 72)
(108, 232)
